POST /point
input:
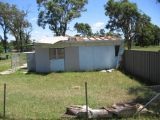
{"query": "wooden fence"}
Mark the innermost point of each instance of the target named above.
(143, 64)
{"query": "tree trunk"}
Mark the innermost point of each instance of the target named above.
(17, 45)
(21, 42)
(5, 41)
(64, 30)
(129, 42)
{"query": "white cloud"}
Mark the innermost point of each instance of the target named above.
(97, 26)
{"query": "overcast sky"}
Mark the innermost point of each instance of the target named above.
(94, 16)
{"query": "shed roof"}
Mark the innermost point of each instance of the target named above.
(62, 41)
(94, 38)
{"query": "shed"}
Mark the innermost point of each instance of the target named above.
(76, 54)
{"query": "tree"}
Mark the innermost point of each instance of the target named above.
(83, 28)
(17, 26)
(113, 34)
(96, 33)
(156, 35)
(144, 31)
(102, 32)
(26, 36)
(58, 13)
(123, 16)
(1, 49)
(4, 18)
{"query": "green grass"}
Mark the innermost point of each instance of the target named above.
(35, 96)
(6, 64)
(149, 48)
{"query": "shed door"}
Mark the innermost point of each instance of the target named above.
(71, 59)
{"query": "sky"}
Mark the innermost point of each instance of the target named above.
(94, 16)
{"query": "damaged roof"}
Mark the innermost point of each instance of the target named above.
(93, 38)
(77, 39)
(62, 41)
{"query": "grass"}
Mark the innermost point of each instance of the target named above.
(6, 64)
(45, 96)
(149, 48)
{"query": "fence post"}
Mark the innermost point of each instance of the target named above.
(4, 104)
(86, 96)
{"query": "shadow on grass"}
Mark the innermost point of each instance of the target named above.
(138, 78)
(42, 74)
(144, 95)
(35, 73)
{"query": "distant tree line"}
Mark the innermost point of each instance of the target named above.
(13, 22)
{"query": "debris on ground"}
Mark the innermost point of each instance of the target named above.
(103, 71)
(123, 110)
(110, 70)
(76, 87)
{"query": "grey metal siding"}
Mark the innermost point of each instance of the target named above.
(42, 60)
(71, 59)
(97, 57)
(143, 64)
(31, 64)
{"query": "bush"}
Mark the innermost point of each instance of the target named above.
(1, 49)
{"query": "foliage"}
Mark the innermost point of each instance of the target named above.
(143, 31)
(146, 33)
(12, 20)
(17, 25)
(102, 32)
(1, 49)
(4, 18)
(58, 13)
(96, 33)
(156, 31)
(113, 34)
(83, 28)
(123, 16)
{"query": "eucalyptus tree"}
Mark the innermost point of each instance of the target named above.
(123, 16)
(4, 19)
(102, 32)
(144, 31)
(58, 13)
(83, 28)
(18, 23)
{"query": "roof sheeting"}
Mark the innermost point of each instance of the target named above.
(53, 40)
(79, 41)
(95, 38)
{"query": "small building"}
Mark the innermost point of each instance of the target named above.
(75, 54)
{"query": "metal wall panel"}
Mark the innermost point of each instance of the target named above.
(143, 64)
(42, 60)
(71, 60)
